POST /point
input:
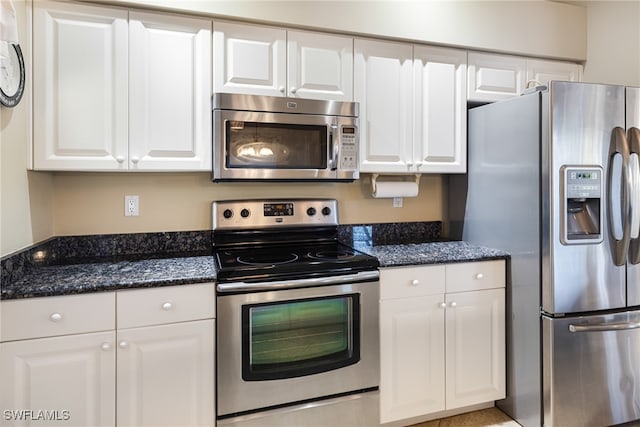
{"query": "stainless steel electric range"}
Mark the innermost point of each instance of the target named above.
(297, 316)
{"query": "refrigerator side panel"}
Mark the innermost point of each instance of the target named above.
(633, 264)
(503, 211)
(592, 378)
(584, 275)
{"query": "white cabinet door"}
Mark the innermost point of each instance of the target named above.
(249, 59)
(412, 357)
(475, 347)
(541, 71)
(166, 375)
(383, 87)
(440, 137)
(63, 381)
(169, 92)
(320, 66)
(80, 89)
(494, 77)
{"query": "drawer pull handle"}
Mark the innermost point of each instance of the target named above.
(442, 305)
(479, 276)
(123, 344)
(56, 317)
(415, 282)
(453, 304)
(167, 306)
(106, 346)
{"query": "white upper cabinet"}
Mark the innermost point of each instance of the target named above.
(115, 90)
(541, 71)
(383, 86)
(260, 60)
(320, 66)
(412, 107)
(440, 126)
(80, 87)
(249, 59)
(170, 92)
(493, 77)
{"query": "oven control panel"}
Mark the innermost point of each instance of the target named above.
(252, 214)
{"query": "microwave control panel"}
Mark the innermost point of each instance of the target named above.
(348, 149)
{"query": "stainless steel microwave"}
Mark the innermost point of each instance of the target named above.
(284, 139)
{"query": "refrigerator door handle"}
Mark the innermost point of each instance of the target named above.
(604, 327)
(620, 146)
(634, 149)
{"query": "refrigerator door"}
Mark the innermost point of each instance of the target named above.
(591, 370)
(633, 131)
(582, 276)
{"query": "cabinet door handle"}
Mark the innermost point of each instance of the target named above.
(167, 306)
(55, 317)
(415, 282)
(453, 304)
(135, 160)
(443, 305)
(123, 344)
(281, 89)
(294, 90)
(120, 159)
(479, 276)
(105, 346)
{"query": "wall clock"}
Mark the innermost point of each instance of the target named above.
(12, 76)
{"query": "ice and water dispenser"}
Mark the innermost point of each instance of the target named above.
(582, 199)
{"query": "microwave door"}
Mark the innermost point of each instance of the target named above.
(252, 146)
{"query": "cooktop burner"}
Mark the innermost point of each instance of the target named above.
(266, 259)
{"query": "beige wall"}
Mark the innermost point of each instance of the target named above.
(90, 203)
(613, 42)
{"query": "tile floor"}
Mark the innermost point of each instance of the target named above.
(491, 417)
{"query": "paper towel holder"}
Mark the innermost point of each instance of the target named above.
(374, 180)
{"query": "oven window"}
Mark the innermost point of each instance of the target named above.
(301, 337)
(275, 146)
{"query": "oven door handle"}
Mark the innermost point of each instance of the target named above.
(362, 276)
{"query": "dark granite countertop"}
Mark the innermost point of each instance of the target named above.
(109, 276)
(75, 265)
(429, 253)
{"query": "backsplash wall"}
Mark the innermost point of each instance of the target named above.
(93, 203)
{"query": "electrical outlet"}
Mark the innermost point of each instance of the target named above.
(131, 206)
(397, 202)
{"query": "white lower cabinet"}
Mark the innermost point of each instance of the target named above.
(63, 362)
(442, 338)
(165, 375)
(66, 381)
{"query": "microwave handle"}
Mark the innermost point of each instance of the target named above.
(333, 148)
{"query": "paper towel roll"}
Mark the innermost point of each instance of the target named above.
(395, 189)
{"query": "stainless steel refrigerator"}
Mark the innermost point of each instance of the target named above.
(553, 177)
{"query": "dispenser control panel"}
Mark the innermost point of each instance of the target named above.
(584, 183)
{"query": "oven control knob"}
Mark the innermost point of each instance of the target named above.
(244, 213)
(311, 211)
(326, 211)
(228, 213)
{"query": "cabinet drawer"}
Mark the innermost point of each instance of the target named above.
(471, 276)
(402, 282)
(51, 316)
(143, 307)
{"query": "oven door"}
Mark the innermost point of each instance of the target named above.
(287, 346)
(280, 146)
